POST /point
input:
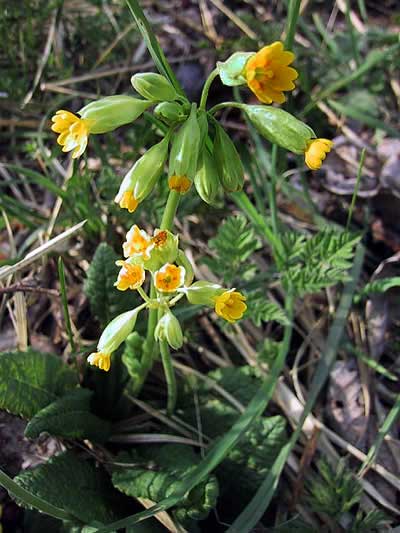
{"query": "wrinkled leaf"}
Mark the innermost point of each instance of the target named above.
(31, 380)
(70, 417)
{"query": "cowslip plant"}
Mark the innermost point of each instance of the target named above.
(198, 151)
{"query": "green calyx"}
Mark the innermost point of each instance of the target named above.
(111, 112)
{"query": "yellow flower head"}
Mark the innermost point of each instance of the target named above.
(230, 305)
(316, 152)
(267, 73)
(137, 243)
(101, 360)
(74, 132)
(179, 184)
(128, 201)
(130, 276)
(169, 278)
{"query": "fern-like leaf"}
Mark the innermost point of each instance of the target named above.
(233, 245)
(260, 309)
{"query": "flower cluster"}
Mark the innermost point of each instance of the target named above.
(172, 275)
(199, 152)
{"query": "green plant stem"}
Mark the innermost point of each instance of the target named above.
(169, 376)
(353, 36)
(206, 89)
(272, 191)
(223, 105)
(167, 220)
(61, 275)
(292, 18)
(150, 345)
(356, 187)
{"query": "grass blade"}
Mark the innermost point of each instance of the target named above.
(31, 500)
(258, 505)
(391, 418)
(151, 41)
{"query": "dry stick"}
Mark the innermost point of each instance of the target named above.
(39, 252)
(20, 287)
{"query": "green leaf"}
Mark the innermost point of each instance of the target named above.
(233, 245)
(158, 474)
(70, 417)
(152, 44)
(378, 286)
(260, 309)
(319, 261)
(106, 302)
(74, 485)
(31, 380)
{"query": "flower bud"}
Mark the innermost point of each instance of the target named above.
(203, 125)
(202, 292)
(153, 86)
(169, 112)
(111, 112)
(229, 165)
(231, 71)
(117, 330)
(280, 127)
(169, 329)
(183, 261)
(206, 179)
(142, 177)
(185, 148)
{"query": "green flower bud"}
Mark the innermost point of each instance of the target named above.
(153, 87)
(112, 112)
(169, 329)
(202, 292)
(280, 127)
(164, 249)
(182, 260)
(229, 165)
(203, 125)
(118, 330)
(142, 177)
(206, 179)
(231, 70)
(169, 112)
(185, 148)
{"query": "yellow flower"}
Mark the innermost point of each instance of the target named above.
(267, 73)
(101, 360)
(169, 278)
(138, 243)
(128, 201)
(316, 152)
(179, 184)
(74, 132)
(230, 305)
(130, 276)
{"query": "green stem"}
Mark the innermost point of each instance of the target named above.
(206, 88)
(169, 376)
(167, 221)
(293, 15)
(149, 354)
(217, 107)
(272, 191)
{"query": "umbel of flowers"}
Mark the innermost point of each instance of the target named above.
(198, 151)
(159, 257)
